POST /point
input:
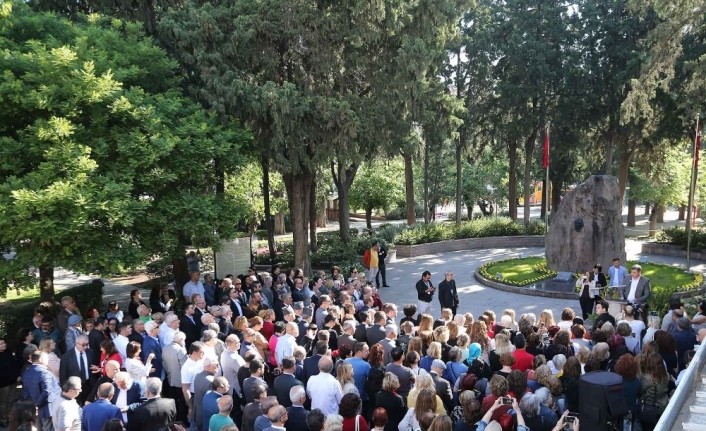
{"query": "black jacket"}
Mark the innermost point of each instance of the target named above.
(448, 296)
(283, 383)
(382, 255)
(422, 295)
(443, 390)
(154, 415)
(395, 407)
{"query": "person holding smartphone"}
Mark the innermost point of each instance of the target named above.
(568, 422)
(494, 425)
(587, 298)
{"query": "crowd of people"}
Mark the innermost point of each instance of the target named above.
(282, 351)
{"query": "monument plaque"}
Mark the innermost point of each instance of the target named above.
(234, 257)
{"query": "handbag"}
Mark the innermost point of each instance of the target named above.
(649, 413)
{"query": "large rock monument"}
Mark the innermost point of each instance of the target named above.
(588, 228)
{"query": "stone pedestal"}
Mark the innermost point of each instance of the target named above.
(587, 229)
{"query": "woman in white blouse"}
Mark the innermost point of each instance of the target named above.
(134, 365)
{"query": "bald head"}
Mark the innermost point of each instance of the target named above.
(293, 329)
(325, 364)
(225, 404)
(105, 391)
(111, 368)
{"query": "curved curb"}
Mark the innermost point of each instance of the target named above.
(522, 290)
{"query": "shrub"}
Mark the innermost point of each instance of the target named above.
(16, 316)
(677, 236)
(535, 228)
(434, 232)
(161, 269)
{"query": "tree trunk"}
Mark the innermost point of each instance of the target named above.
(279, 224)
(181, 274)
(512, 192)
(682, 212)
(369, 217)
(632, 205)
(321, 214)
(409, 189)
(647, 208)
(660, 213)
(626, 155)
(529, 149)
(46, 282)
(343, 179)
(268, 211)
(313, 245)
(653, 221)
(459, 182)
(557, 185)
(298, 192)
(426, 183)
(608, 167)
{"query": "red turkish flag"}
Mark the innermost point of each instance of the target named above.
(545, 150)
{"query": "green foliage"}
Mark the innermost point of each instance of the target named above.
(103, 163)
(434, 232)
(666, 182)
(18, 315)
(676, 235)
(378, 186)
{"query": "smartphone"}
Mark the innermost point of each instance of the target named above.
(569, 419)
(506, 401)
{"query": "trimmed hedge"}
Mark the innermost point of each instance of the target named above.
(483, 228)
(677, 236)
(14, 317)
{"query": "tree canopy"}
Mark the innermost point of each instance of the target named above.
(103, 162)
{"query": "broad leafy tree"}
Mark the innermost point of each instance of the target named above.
(103, 163)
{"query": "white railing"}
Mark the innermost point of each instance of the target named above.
(689, 384)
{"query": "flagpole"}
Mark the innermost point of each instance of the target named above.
(546, 194)
(692, 186)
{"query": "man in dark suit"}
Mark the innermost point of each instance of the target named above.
(133, 394)
(157, 412)
(286, 381)
(311, 364)
(361, 329)
(382, 255)
(111, 369)
(78, 362)
(296, 413)
(137, 334)
(237, 301)
(97, 336)
(253, 410)
(443, 387)
(151, 345)
(448, 295)
(636, 288)
(96, 414)
(376, 333)
(37, 384)
(187, 325)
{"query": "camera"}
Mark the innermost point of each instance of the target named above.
(506, 401)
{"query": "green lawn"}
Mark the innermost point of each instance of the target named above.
(520, 270)
(517, 270)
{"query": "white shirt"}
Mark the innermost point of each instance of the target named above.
(122, 402)
(66, 414)
(325, 393)
(637, 326)
(190, 288)
(633, 289)
(189, 371)
(565, 324)
(85, 363)
(137, 370)
(121, 343)
(166, 335)
(285, 347)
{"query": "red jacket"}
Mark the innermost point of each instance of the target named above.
(523, 360)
